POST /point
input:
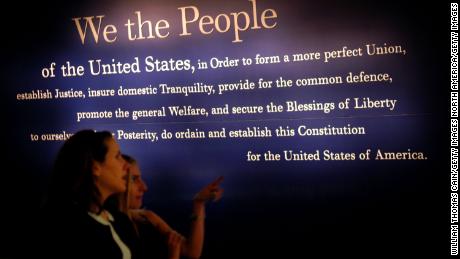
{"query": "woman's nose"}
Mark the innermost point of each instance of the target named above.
(144, 186)
(126, 167)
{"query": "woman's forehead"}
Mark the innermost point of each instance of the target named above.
(112, 145)
(134, 169)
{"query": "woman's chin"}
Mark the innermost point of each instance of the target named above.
(121, 188)
(136, 205)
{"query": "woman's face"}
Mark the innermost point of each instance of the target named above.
(110, 175)
(137, 188)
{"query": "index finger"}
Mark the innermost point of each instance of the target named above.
(217, 181)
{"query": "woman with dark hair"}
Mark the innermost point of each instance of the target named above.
(89, 168)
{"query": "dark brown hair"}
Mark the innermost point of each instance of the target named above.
(72, 182)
